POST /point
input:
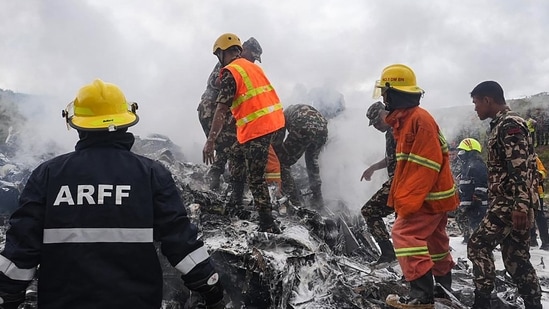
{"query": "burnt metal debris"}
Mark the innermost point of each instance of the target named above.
(321, 259)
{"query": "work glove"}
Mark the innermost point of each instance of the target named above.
(211, 291)
(11, 301)
(521, 221)
(214, 297)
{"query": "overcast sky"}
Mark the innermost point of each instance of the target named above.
(160, 52)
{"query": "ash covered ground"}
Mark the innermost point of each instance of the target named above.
(321, 259)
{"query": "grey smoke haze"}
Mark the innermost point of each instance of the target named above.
(159, 53)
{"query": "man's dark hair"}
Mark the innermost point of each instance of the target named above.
(489, 89)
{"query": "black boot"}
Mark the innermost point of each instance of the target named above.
(421, 294)
(267, 223)
(214, 180)
(295, 198)
(235, 205)
(387, 254)
(317, 201)
(446, 283)
(482, 301)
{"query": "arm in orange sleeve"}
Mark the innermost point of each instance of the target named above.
(421, 168)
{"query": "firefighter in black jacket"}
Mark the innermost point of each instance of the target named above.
(473, 187)
(88, 219)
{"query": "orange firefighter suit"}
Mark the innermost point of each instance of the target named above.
(422, 192)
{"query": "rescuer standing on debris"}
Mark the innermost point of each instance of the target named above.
(376, 208)
(473, 187)
(511, 183)
(307, 134)
(422, 191)
(541, 221)
(89, 219)
(254, 104)
(251, 50)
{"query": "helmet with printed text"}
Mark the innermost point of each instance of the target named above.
(399, 77)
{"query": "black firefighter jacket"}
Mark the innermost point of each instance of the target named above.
(87, 220)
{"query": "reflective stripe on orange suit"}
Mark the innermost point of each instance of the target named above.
(543, 172)
(272, 170)
(256, 106)
(422, 192)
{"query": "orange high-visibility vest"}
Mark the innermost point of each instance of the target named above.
(256, 106)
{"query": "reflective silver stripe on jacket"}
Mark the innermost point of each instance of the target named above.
(11, 271)
(467, 203)
(192, 259)
(93, 235)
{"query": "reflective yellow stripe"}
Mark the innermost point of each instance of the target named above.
(272, 175)
(438, 256)
(418, 160)
(250, 94)
(259, 113)
(401, 252)
(443, 143)
(250, 90)
(432, 196)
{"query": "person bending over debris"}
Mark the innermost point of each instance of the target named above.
(88, 219)
(258, 113)
(251, 50)
(422, 192)
(307, 134)
(512, 183)
(376, 208)
(473, 187)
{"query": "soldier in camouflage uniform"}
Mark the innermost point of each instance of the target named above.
(307, 134)
(246, 92)
(251, 50)
(511, 184)
(376, 208)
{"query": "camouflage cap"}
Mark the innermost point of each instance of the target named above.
(373, 112)
(254, 47)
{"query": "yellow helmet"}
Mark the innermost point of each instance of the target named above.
(225, 41)
(399, 77)
(469, 144)
(100, 106)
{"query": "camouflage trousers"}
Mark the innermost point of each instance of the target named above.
(292, 149)
(468, 218)
(249, 160)
(375, 210)
(496, 229)
(225, 139)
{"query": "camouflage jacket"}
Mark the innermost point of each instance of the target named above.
(212, 88)
(511, 164)
(390, 152)
(302, 117)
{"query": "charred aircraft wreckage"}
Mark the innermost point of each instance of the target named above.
(321, 259)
